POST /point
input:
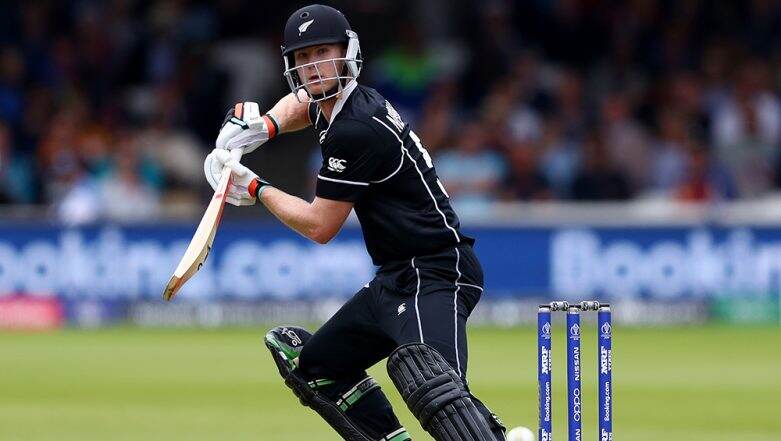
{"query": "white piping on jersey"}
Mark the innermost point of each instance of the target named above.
(341, 181)
(337, 107)
(341, 100)
(417, 291)
(394, 173)
(436, 206)
(469, 285)
(455, 310)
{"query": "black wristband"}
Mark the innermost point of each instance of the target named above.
(274, 122)
(256, 186)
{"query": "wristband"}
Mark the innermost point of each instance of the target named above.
(256, 187)
(271, 125)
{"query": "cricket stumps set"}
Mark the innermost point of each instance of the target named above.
(574, 389)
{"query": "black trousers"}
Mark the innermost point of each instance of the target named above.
(426, 299)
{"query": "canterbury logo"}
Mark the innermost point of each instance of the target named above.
(336, 165)
(304, 26)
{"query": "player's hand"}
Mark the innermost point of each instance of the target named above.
(244, 127)
(245, 184)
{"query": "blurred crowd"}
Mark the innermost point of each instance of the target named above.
(107, 108)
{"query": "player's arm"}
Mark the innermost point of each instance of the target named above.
(319, 220)
(290, 114)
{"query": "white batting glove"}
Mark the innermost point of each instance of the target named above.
(244, 127)
(245, 186)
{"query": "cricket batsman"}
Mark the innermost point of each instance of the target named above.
(429, 280)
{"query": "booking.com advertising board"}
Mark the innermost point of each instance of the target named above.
(270, 262)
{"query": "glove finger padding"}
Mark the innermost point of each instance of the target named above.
(238, 169)
(244, 127)
(212, 168)
(249, 140)
(240, 201)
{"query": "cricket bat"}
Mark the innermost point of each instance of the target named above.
(202, 240)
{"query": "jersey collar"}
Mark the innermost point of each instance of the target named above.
(342, 99)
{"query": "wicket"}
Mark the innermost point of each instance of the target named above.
(574, 395)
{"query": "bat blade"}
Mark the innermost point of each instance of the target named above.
(201, 243)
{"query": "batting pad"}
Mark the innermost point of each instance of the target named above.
(436, 395)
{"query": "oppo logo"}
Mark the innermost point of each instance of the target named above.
(576, 404)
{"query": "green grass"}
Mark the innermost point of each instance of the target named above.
(711, 383)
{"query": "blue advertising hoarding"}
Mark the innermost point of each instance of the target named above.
(270, 262)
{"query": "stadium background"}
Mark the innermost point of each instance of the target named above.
(625, 151)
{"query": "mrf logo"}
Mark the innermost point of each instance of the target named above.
(544, 435)
(605, 360)
(336, 165)
(545, 360)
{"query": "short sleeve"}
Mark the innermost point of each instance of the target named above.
(353, 156)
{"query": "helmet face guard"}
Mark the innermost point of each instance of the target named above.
(346, 70)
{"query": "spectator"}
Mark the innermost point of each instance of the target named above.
(747, 130)
(705, 180)
(16, 173)
(670, 154)
(599, 179)
(125, 194)
(472, 174)
(625, 139)
(12, 72)
(77, 197)
(405, 72)
(575, 101)
(559, 158)
(525, 182)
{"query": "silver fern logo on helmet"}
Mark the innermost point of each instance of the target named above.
(304, 26)
(347, 69)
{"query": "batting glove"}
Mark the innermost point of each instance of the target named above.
(244, 127)
(245, 186)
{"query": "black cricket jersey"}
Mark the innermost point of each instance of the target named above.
(372, 158)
